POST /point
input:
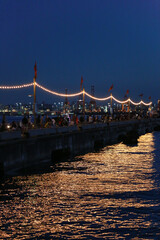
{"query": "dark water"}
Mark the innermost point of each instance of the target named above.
(9, 119)
(112, 194)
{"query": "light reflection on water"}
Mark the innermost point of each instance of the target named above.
(111, 194)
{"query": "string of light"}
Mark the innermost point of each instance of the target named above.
(17, 86)
(59, 94)
(76, 94)
(121, 102)
(146, 104)
(134, 103)
(95, 98)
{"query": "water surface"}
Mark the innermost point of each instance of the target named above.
(110, 194)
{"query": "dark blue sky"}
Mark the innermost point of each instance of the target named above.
(108, 42)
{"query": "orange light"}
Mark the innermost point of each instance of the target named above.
(17, 86)
(59, 94)
(75, 94)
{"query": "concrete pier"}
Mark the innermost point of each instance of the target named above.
(17, 152)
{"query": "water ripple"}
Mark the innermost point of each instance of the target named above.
(111, 194)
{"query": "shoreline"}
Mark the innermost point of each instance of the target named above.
(18, 152)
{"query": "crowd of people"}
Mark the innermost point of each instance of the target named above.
(41, 121)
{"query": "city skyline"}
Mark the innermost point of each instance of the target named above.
(105, 42)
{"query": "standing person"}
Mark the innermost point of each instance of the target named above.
(41, 121)
(38, 120)
(29, 122)
(3, 126)
(90, 119)
(13, 125)
(74, 118)
(53, 122)
(77, 121)
(24, 125)
(4, 119)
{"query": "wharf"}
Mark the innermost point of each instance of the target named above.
(17, 152)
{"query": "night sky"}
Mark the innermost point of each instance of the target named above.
(107, 42)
